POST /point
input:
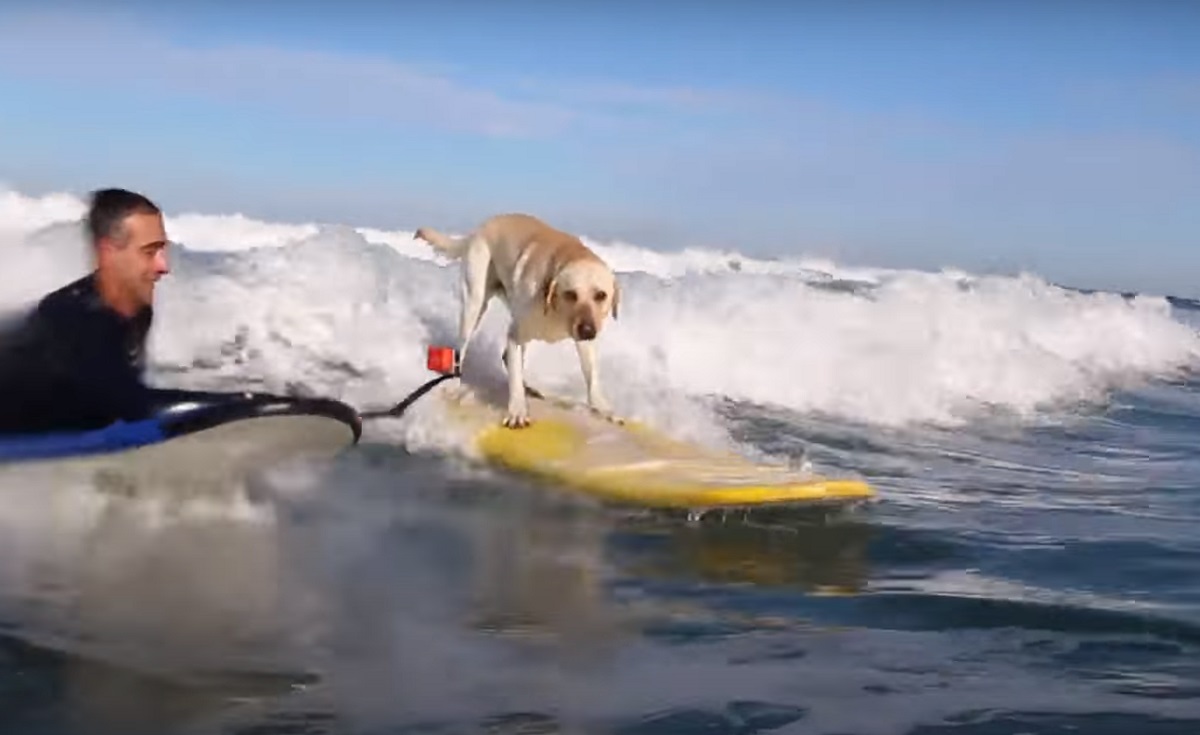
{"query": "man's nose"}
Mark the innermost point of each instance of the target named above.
(160, 262)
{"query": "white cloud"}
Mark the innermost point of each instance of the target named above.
(121, 54)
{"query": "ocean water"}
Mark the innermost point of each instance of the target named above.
(1028, 567)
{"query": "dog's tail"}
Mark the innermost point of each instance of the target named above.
(446, 245)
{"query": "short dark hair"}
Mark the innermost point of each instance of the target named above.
(110, 207)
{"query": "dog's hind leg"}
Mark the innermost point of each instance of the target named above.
(474, 292)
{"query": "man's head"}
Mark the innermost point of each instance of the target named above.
(129, 240)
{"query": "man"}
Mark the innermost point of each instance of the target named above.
(76, 362)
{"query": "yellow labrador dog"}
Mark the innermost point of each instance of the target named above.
(554, 287)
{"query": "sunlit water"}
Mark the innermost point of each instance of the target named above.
(1029, 565)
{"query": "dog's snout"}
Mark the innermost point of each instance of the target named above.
(585, 331)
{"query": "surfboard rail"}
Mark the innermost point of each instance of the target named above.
(176, 413)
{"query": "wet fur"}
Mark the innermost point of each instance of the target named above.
(555, 287)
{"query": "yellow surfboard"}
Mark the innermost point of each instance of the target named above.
(633, 463)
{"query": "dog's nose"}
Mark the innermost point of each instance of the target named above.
(586, 331)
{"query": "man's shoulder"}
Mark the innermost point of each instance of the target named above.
(77, 293)
(76, 309)
(69, 313)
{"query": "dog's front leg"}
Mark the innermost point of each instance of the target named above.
(591, 376)
(529, 390)
(518, 409)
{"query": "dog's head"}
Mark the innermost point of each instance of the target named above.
(583, 293)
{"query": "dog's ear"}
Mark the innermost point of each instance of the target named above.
(548, 293)
(616, 299)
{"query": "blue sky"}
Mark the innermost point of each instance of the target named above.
(1057, 137)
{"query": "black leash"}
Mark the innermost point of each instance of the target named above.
(402, 406)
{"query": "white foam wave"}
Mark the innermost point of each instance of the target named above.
(22, 215)
(348, 312)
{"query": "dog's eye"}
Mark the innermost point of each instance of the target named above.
(600, 296)
(570, 296)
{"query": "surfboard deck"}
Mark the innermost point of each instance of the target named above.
(633, 463)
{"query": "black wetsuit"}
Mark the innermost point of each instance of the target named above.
(72, 364)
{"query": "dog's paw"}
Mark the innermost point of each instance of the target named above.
(607, 414)
(516, 420)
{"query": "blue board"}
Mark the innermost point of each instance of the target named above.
(177, 413)
(118, 436)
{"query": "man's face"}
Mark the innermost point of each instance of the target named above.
(137, 257)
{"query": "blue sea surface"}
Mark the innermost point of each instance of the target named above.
(1020, 571)
(1009, 578)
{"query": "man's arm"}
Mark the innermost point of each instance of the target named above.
(110, 384)
(91, 355)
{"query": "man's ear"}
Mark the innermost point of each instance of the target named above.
(103, 249)
(548, 293)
